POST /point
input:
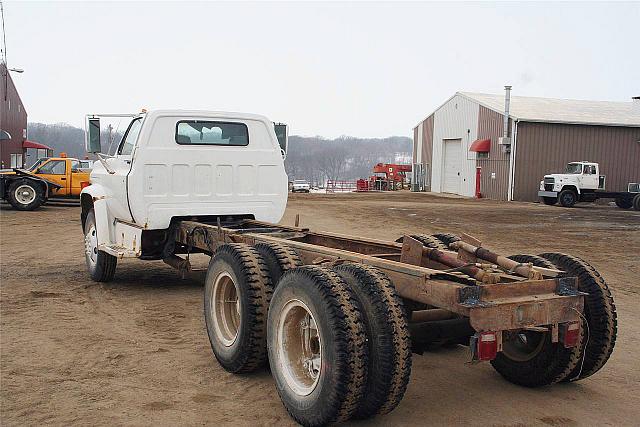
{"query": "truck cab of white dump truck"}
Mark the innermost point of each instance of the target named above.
(174, 165)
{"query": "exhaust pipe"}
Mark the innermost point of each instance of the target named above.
(507, 101)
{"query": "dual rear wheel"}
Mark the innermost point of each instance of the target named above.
(336, 338)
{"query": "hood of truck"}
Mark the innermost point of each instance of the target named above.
(564, 177)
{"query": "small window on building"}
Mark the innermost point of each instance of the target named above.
(19, 108)
(16, 160)
(482, 155)
(196, 132)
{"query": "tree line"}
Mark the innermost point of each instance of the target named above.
(315, 159)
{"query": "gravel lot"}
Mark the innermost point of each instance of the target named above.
(135, 351)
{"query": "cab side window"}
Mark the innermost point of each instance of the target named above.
(129, 140)
(54, 167)
(75, 165)
(589, 170)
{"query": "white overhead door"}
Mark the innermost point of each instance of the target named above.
(452, 166)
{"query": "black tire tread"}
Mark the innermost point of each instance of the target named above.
(279, 258)
(386, 385)
(539, 371)
(106, 263)
(430, 241)
(38, 188)
(259, 290)
(447, 238)
(599, 310)
(342, 307)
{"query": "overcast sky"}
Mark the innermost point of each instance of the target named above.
(330, 69)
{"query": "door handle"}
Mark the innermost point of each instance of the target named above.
(63, 179)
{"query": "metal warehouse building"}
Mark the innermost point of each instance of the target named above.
(462, 147)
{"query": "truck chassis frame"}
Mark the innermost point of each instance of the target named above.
(499, 301)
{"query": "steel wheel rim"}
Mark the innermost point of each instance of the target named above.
(523, 346)
(25, 194)
(299, 347)
(91, 245)
(225, 308)
(567, 198)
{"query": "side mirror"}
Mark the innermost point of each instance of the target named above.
(282, 133)
(93, 136)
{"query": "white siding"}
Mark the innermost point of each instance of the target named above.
(456, 119)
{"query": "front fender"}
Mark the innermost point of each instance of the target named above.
(95, 197)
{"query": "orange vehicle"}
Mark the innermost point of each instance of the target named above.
(28, 189)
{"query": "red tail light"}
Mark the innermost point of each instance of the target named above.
(487, 346)
(570, 334)
(84, 184)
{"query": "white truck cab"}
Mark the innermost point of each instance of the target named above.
(173, 164)
(579, 178)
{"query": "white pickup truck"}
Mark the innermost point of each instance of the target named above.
(336, 317)
(582, 182)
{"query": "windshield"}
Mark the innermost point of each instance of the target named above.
(575, 168)
(36, 164)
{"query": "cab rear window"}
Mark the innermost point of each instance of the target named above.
(197, 132)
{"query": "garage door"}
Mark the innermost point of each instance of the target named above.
(452, 166)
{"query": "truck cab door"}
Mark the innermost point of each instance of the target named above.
(120, 165)
(589, 177)
(56, 171)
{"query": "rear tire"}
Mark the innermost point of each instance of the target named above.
(389, 341)
(25, 194)
(568, 198)
(624, 203)
(101, 265)
(279, 259)
(636, 202)
(550, 201)
(599, 311)
(237, 293)
(529, 358)
(317, 346)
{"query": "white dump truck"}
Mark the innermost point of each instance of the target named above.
(336, 317)
(582, 182)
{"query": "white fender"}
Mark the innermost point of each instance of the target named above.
(99, 196)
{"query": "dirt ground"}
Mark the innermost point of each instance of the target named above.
(135, 351)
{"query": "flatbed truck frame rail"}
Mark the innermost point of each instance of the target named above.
(512, 302)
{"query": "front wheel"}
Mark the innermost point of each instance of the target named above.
(568, 198)
(25, 195)
(101, 265)
(636, 202)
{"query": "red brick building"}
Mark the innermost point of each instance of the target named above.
(13, 122)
